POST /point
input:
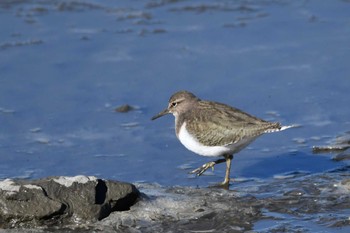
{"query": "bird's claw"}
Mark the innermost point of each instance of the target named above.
(199, 171)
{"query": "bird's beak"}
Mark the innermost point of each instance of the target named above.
(162, 113)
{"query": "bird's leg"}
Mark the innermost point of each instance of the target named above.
(228, 159)
(199, 171)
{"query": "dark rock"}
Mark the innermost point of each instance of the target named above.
(339, 144)
(124, 108)
(58, 201)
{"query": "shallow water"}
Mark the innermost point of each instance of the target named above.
(303, 203)
(66, 65)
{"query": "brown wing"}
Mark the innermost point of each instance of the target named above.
(220, 124)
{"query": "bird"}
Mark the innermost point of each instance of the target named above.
(214, 129)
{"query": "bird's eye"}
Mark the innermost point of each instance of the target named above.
(173, 104)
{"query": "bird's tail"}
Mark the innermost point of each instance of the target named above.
(280, 128)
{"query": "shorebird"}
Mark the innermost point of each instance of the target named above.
(214, 129)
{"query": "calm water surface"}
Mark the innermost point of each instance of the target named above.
(66, 65)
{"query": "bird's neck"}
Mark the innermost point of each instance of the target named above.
(179, 120)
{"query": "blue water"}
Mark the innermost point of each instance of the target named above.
(65, 66)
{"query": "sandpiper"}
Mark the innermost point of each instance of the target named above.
(214, 129)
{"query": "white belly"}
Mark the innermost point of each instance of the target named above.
(192, 144)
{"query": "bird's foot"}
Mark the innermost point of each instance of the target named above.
(199, 171)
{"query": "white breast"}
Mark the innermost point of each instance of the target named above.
(194, 145)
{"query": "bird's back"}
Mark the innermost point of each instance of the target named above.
(214, 124)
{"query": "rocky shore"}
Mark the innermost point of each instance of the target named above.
(295, 202)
